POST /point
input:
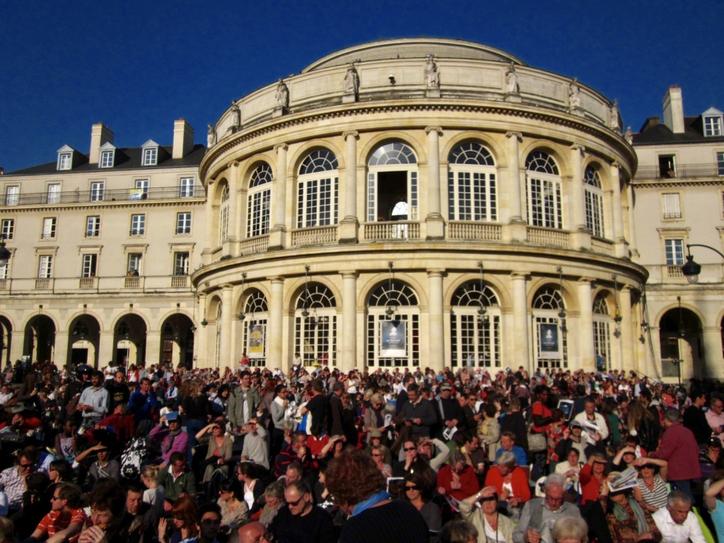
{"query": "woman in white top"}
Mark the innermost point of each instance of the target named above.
(481, 510)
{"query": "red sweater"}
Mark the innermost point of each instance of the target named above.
(678, 447)
(590, 486)
(468, 482)
(518, 480)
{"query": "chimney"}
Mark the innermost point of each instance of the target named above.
(183, 138)
(674, 109)
(100, 134)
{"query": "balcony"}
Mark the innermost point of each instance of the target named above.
(682, 171)
(42, 284)
(549, 237)
(474, 231)
(132, 282)
(321, 235)
(179, 281)
(86, 282)
(253, 246)
(392, 231)
(104, 196)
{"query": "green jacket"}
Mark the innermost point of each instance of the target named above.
(173, 488)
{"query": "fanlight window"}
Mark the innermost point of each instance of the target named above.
(254, 328)
(593, 201)
(475, 327)
(317, 190)
(394, 293)
(472, 183)
(255, 303)
(471, 153)
(471, 294)
(600, 307)
(543, 186)
(262, 174)
(394, 152)
(319, 160)
(315, 296)
(259, 201)
(540, 161)
(548, 298)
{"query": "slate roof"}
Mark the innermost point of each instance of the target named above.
(127, 158)
(655, 132)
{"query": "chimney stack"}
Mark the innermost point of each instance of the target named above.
(100, 134)
(183, 138)
(674, 109)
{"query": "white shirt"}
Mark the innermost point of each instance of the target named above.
(678, 533)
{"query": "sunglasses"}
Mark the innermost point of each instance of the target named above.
(26, 466)
(494, 497)
(294, 504)
(411, 487)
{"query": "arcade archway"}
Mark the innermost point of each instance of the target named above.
(177, 341)
(39, 344)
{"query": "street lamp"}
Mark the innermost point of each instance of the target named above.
(691, 269)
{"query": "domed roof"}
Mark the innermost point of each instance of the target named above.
(412, 48)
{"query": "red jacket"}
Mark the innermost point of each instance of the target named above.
(468, 482)
(590, 486)
(678, 447)
(518, 480)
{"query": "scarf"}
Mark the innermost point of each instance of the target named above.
(622, 514)
(373, 500)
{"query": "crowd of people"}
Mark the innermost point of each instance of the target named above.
(163, 455)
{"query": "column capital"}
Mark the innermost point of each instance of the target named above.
(516, 135)
(435, 272)
(227, 286)
(519, 275)
(578, 147)
(276, 279)
(350, 134)
(280, 147)
(436, 129)
(349, 273)
(235, 164)
(586, 279)
(616, 164)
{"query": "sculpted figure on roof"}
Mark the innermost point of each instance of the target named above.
(351, 81)
(282, 95)
(432, 75)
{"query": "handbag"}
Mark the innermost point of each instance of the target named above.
(536, 442)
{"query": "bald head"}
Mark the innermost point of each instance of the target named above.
(252, 532)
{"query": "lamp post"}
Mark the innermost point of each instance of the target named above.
(691, 269)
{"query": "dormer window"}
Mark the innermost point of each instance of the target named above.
(108, 156)
(712, 122)
(149, 156)
(65, 158)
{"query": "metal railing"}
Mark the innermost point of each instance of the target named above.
(104, 196)
(681, 171)
(474, 231)
(392, 231)
(320, 235)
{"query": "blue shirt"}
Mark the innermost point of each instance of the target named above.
(520, 457)
(717, 515)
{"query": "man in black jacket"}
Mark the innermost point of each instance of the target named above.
(449, 411)
(695, 418)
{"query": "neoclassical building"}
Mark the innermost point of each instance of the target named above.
(419, 203)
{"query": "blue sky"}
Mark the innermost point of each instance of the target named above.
(137, 66)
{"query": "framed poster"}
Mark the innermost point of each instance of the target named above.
(549, 345)
(393, 338)
(256, 341)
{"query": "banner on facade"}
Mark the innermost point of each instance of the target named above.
(549, 345)
(393, 338)
(256, 341)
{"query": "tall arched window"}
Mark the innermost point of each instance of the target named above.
(475, 326)
(259, 201)
(224, 214)
(317, 189)
(601, 332)
(255, 314)
(549, 328)
(315, 330)
(472, 177)
(392, 192)
(393, 326)
(594, 201)
(543, 184)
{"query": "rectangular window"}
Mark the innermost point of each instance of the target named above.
(181, 263)
(12, 195)
(90, 262)
(3, 271)
(133, 268)
(671, 206)
(45, 267)
(92, 226)
(97, 191)
(8, 229)
(107, 159)
(138, 224)
(150, 156)
(64, 161)
(186, 187)
(49, 224)
(674, 252)
(53, 194)
(720, 163)
(183, 222)
(140, 191)
(712, 126)
(667, 166)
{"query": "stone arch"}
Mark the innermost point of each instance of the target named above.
(84, 331)
(306, 147)
(486, 139)
(39, 337)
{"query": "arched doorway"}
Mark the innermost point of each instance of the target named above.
(315, 330)
(177, 341)
(83, 341)
(254, 316)
(475, 326)
(680, 340)
(6, 335)
(39, 344)
(129, 340)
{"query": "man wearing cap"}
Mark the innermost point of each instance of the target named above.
(173, 439)
(573, 441)
(93, 402)
(449, 410)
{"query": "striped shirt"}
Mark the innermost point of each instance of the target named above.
(657, 496)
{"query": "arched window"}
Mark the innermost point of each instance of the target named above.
(392, 192)
(255, 315)
(601, 332)
(475, 327)
(472, 178)
(224, 215)
(549, 328)
(317, 189)
(393, 326)
(259, 200)
(315, 330)
(543, 184)
(594, 201)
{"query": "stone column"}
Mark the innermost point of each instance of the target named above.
(349, 224)
(713, 363)
(279, 197)
(106, 348)
(227, 316)
(587, 358)
(514, 227)
(231, 247)
(349, 320)
(581, 237)
(153, 346)
(201, 354)
(434, 222)
(276, 320)
(60, 350)
(521, 351)
(627, 324)
(436, 345)
(620, 245)
(211, 212)
(631, 220)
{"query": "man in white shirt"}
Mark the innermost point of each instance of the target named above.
(589, 419)
(715, 417)
(676, 522)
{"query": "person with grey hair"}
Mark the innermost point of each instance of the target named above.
(570, 530)
(540, 514)
(458, 531)
(510, 482)
(676, 522)
(678, 447)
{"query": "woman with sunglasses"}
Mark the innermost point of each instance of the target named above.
(418, 491)
(492, 527)
(651, 490)
(183, 527)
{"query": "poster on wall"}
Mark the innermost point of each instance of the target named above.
(548, 341)
(256, 341)
(393, 338)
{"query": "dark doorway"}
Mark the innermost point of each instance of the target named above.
(79, 356)
(391, 190)
(39, 341)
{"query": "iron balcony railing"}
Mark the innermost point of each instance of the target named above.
(681, 171)
(102, 196)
